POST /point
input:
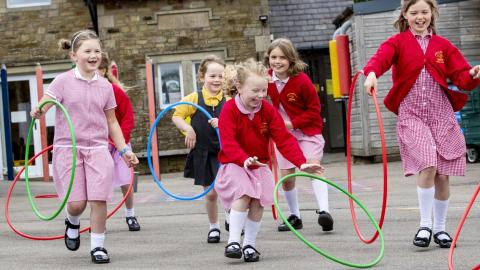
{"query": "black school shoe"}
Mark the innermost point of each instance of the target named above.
(133, 224)
(422, 241)
(215, 238)
(325, 220)
(71, 243)
(99, 258)
(443, 243)
(250, 257)
(295, 221)
(232, 250)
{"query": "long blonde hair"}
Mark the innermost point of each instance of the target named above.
(286, 46)
(238, 73)
(401, 24)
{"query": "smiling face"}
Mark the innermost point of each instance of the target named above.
(88, 57)
(213, 78)
(253, 90)
(419, 17)
(279, 63)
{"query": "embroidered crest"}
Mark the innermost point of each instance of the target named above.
(439, 57)
(292, 97)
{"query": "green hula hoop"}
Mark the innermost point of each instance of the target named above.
(312, 246)
(74, 158)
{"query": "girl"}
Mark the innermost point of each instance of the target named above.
(245, 184)
(124, 115)
(430, 140)
(201, 138)
(294, 96)
(90, 103)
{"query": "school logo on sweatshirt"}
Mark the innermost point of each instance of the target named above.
(292, 97)
(439, 57)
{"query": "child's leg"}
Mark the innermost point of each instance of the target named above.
(426, 191)
(212, 208)
(98, 219)
(74, 210)
(129, 200)
(320, 189)
(130, 218)
(238, 215)
(252, 225)
(291, 192)
(440, 204)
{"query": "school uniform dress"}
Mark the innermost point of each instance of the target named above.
(298, 102)
(427, 131)
(125, 118)
(86, 103)
(245, 134)
(202, 160)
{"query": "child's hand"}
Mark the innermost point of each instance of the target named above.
(130, 158)
(213, 122)
(252, 161)
(370, 82)
(36, 113)
(312, 168)
(190, 138)
(475, 72)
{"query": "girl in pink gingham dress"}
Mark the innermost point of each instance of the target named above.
(430, 140)
(244, 183)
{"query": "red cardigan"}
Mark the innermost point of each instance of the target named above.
(123, 112)
(442, 60)
(242, 138)
(301, 102)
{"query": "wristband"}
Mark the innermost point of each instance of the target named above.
(124, 150)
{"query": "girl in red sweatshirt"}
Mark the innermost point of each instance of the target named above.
(430, 140)
(294, 96)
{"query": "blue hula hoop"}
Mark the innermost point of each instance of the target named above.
(149, 152)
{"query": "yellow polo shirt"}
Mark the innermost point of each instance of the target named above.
(186, 111)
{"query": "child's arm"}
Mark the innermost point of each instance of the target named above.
(190, 137)
(36, 112)
(459, 71)
(379, 63)
(116, 135)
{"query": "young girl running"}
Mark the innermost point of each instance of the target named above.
(245, 184)
(430, 140)
(294, 96)
(201, 137)
(124, 114)
(90, 103)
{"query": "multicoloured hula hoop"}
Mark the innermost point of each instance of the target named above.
(32, 237)
(149, 152)
(349, 162)
(312, 246)
(74, 158)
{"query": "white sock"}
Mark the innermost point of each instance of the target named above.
(320, 189)
(237, 222)
(425, 203)
(439, 216)
(214, 226)
(227, 217)
(75, 220)
(292, 202)
(130, 212)
(251, 231)
(97, 240)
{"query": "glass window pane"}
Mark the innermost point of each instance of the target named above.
(170, 83)
(197, 85)
(27, 3)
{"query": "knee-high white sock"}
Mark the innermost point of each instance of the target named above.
(439, 215)
(129, 212)
(97, 240)
(292, 202)
(75, 220)
(320, 189)
(251, 231)
(237, 222)
(425, 203)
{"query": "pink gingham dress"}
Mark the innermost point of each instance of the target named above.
(427, 131)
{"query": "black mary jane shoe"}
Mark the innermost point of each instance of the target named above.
(213, 239)
(71, 243)
(295, 221)
(99, 258)
(233, 250)
(422, 241)
(250, 257)
(133, 224)
(443, 243)
(325, 220)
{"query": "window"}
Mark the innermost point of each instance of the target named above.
(170, 81)
(27, 3)
(197, 86)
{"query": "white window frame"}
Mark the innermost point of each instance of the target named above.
(32, 3)
(160, 83)
(194, 74)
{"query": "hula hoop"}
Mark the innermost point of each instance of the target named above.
(312, 246)
(74, 158)
(349, 163)
(149, 152)
(459, 229)
(44, 238)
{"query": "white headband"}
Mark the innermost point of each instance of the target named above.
(73, 42)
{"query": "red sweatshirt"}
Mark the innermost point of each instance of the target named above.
(301, 102)
(123, 112)
(242, 138)
(442, 59)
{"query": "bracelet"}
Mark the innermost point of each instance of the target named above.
(124, 150)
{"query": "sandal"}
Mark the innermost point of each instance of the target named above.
(250, 257)
(232, 250)
(71, 243)
(215, 238)
(443, 243)
(422, 241)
